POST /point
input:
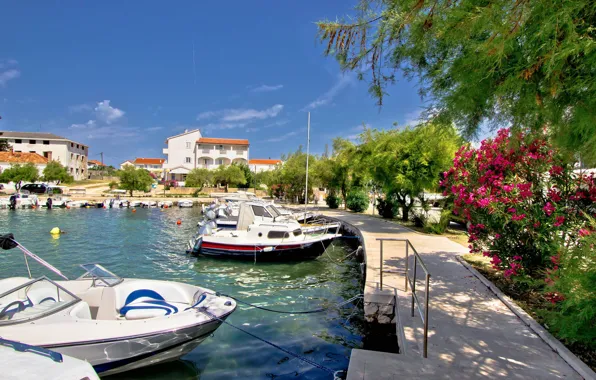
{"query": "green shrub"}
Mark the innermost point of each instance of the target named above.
(440, 227)
(572, 281)
(357, 200)
(113, 185)
(387, 209)
(166, 187)
(332, 199)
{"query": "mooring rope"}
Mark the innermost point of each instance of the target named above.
(335, 374)
(319, 310)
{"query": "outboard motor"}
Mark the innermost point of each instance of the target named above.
(49, 203)
(210, 215)
(13, 202)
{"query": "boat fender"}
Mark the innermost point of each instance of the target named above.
(55, 231)
(134, 210)
(179, 222)
(267, 249)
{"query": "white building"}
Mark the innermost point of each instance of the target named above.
(258, 165)
(154, 165)
(190, 150)
(72, 155)
(8, 159)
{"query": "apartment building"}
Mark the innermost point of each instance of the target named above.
(190, 150)
(153, 165)
(258, 165)
(72, 155)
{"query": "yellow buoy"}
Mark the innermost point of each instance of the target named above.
(55, 231)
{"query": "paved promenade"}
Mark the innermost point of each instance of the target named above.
(472, 334)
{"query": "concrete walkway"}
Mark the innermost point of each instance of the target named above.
(472, 334)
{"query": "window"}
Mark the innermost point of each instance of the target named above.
(297, 232)
(18, 141)
(278, 235)
(31, 151)
(188, 161)
(219, 161)
(261, 211)
(72, 145)
(71, 156)
(46, 142)
(187, 145)
(32, 141)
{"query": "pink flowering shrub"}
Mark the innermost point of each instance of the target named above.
(522, 201)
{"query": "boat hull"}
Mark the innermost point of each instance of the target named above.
(124, 354)
(258, 252)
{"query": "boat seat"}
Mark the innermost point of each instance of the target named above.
(147, 303)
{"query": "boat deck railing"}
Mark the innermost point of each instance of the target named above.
(410, 282)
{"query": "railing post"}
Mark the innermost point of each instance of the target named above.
(414, 282)
(381, 267)
(426, 315)
(407, 259)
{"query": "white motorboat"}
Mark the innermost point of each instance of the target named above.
(185, 203)
(228, 216)
(149, 204)
(29, 362)
(256, 238)
(115, 324)
(22, 200)
(4, 203)
(115, 203)
(77, 204)
(165, 204)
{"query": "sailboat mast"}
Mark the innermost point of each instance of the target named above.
(307, 154)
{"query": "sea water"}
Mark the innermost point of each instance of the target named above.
(150, 244)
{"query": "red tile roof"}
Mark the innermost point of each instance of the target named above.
(212, 140)
(259, 161)
(149, 161)
(94, 162)
(22, 158)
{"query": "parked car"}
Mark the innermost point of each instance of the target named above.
(35, 188)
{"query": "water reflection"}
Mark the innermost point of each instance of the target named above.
(149, 244)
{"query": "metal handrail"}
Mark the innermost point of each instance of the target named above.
(412, 282)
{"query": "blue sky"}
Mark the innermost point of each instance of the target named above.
(120, 77)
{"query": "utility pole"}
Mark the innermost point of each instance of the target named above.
(307, 153)
(101, 154)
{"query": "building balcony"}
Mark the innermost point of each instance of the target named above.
(165, 150)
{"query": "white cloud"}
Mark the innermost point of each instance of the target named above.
(219, 126)
(153, 129)
(253, 129)
(342, 82)
(413, 118)
(267, 88)
(242, 114)
(106, 113)
(89, 124)
(80, 108)
(8, 63)
(278, 123)
(287, 135)
(8, 75)
(206, 115)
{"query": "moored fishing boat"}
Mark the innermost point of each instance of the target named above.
(258, 239)
(115, 324)
(185, 203)
(165, 204)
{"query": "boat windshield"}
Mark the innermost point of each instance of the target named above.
(34, 299)
(273, 211)
(100, 275)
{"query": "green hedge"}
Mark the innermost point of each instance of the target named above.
(357, 200)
